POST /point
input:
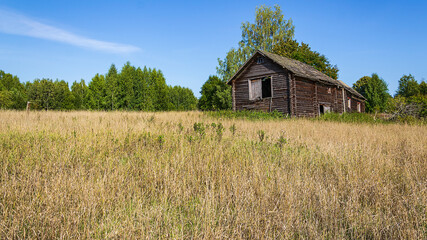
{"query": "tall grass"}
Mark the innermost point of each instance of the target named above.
(159, 175)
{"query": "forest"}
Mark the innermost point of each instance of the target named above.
(130, 89)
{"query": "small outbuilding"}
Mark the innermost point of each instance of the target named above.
(269, 82)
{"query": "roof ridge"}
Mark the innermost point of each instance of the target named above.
(298, 68)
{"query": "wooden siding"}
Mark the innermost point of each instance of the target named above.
(305, 102)
(297, 96)
(354, 101)
(278, 101)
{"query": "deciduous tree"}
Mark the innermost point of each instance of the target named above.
(408, 86)
(375, 90)
(303, 53)
(216, 95)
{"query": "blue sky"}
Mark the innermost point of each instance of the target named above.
(73, 40)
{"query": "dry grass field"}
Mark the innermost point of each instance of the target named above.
(125, 175)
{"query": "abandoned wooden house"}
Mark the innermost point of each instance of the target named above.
(269, 82)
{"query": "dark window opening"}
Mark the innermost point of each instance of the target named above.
(260, 60)
(321, 109)
(266, 87)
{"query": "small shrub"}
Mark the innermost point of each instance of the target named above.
(161, 140)
(199, 128)
(233, 129)
(261, 135)
(180, 127)
(219, 131)
(249, 115)
(281, 141)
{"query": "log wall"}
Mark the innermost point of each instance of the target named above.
(278, 101)
(292, 95)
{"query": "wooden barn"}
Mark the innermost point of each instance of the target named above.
(269, 82)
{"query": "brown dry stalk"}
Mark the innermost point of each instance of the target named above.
(130, 175)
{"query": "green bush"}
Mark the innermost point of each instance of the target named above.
(350, 118)
(248, 115)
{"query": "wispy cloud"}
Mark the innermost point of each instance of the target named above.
(12, 23)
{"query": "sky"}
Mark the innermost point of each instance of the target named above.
(73, 40)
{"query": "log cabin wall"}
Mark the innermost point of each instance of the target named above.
(354, 101)
(326, 96)
(304, 98)
(279, 77)
(339, 97)
(293, 88)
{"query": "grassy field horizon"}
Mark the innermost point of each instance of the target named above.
(190, 175)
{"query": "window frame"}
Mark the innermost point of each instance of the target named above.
(259, 96)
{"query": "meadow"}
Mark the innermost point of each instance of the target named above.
(184, 175)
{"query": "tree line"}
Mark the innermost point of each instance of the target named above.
(130, 89)
(410, 98)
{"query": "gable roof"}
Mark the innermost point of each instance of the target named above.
(351, 90)
(299, 69)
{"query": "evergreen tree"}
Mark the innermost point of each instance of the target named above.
(125, 87)
(140, 88)
(96, 93)
(160, 90)
(62, 96)
(111, 88)
(79, 92)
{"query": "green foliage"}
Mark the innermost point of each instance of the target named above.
(270, 32)
(408, 86)
(79, 92)
(41, 93)
(161, 141)
(269, 28)
(5, 99)
(215, 95)
(375, 90)
(63, 99)
(350, 118)
(96, 93)
(12, 92)
(248, 115)
(281, 141)
(261, 135)
(181, 99)
(423, 88)
(219, 131)
(131, 89)
(303, 53)
(111, 88)
(415, 106)
(199, 128)
(233, 129)
(125, 87)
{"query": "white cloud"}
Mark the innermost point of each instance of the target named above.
(16, 24)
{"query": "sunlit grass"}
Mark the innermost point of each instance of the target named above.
(159, 175)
